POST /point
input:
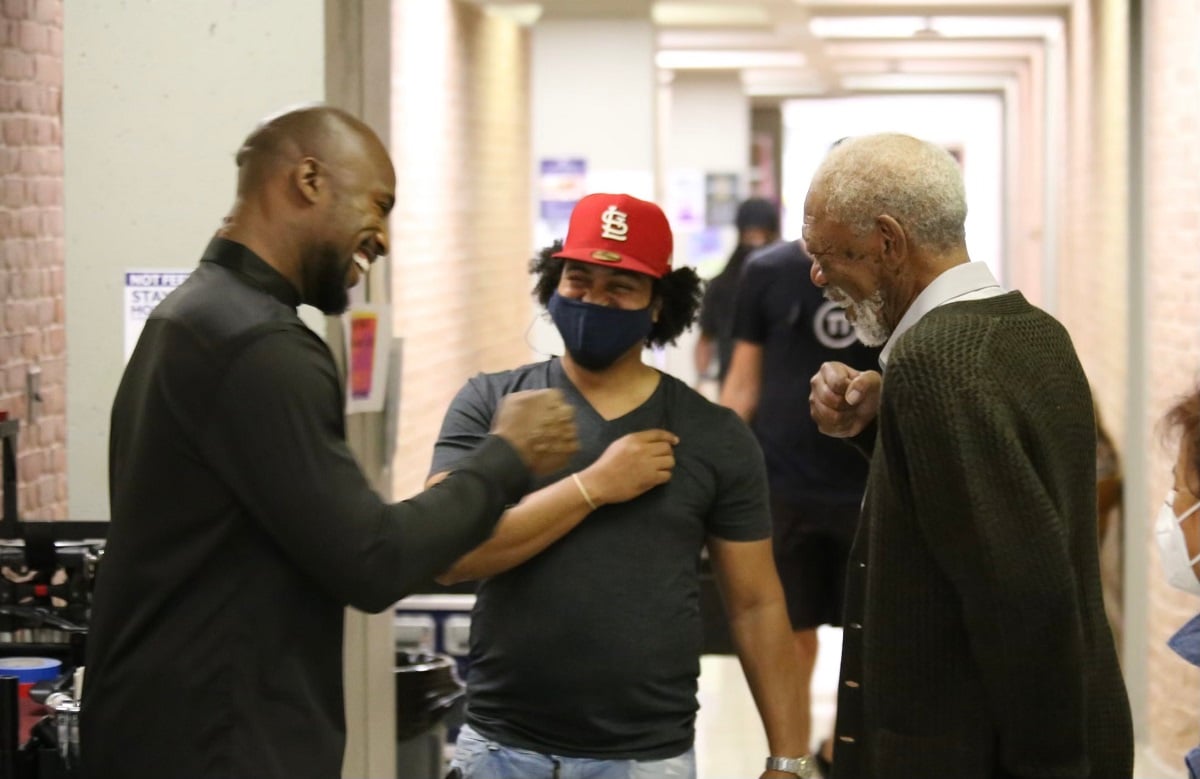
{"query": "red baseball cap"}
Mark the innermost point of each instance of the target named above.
(619, 231)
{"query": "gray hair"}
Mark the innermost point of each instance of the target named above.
(917, 183)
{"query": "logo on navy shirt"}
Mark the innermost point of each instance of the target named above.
(831, 327)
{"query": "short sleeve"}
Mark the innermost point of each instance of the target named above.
(466, 424)
(750, 322)
(740, 510)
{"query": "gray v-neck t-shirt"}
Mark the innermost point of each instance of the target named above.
(592, 648)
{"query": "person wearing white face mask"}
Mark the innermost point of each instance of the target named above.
(1175, 542)
(1177, 531)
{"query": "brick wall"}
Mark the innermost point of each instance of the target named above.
(462, 230)
(31, 245)
(1172, 121)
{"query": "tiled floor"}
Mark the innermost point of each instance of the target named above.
(729, 738)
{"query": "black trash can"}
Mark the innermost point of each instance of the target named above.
(428, 688)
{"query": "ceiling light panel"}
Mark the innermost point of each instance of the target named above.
(744, 14)
(924, 82)
(944, 26)
(524, 14)
(728, 59)
(723, 39)
(947, 7)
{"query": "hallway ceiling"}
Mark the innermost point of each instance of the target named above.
(798, 48)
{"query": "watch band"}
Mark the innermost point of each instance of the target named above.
(804, 766)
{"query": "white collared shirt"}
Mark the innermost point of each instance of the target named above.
(969, 281)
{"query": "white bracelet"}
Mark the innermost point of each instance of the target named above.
(583, 491)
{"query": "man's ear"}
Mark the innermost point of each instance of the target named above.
(894, 242)
(306, 177)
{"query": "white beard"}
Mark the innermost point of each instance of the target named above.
(866, 316)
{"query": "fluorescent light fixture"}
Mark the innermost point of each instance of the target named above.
(728, 59)
(709, 14)
(524, 14)
(944, 26)
(1050, 27)
(720, 39)
(922, 82)
(782, 83)
(864, 26)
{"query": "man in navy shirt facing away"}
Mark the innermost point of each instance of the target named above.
(783, 331)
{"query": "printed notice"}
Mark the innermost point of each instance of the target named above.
(368, 348)
(561, 184)
(145, 289)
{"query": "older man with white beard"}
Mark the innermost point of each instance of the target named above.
(976, 645)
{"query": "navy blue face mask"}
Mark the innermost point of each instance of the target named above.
(595, 336)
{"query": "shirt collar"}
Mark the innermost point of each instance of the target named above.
(968, 281)
(252, 268)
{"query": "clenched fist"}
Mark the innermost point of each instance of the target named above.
(540, 425)
(631, 465)
(843, 401)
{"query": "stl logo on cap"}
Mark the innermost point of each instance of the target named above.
(613, 225)
(619, 231)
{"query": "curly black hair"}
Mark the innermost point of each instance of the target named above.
(1184, 420)
(680, 293)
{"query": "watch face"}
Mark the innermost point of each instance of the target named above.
(800, 766)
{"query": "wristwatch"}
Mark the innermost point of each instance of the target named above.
(804, 767)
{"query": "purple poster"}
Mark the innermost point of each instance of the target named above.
(561, 184)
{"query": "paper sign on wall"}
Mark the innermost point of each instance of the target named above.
(685, 199)
(721, 199)
(368, 329)
(145, 289)
(561, 184)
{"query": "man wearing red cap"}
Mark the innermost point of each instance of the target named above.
(586, 633)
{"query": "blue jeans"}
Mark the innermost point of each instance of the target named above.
(481, 758)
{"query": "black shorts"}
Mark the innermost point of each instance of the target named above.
(812, 543)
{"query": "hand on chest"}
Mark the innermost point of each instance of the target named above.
(678, 506)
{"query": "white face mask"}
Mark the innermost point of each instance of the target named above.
(1172, 547)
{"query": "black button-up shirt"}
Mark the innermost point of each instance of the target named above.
(241, 527)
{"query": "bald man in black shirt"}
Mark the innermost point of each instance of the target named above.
(241, 524)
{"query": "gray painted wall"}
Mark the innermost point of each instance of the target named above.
(156, 98)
